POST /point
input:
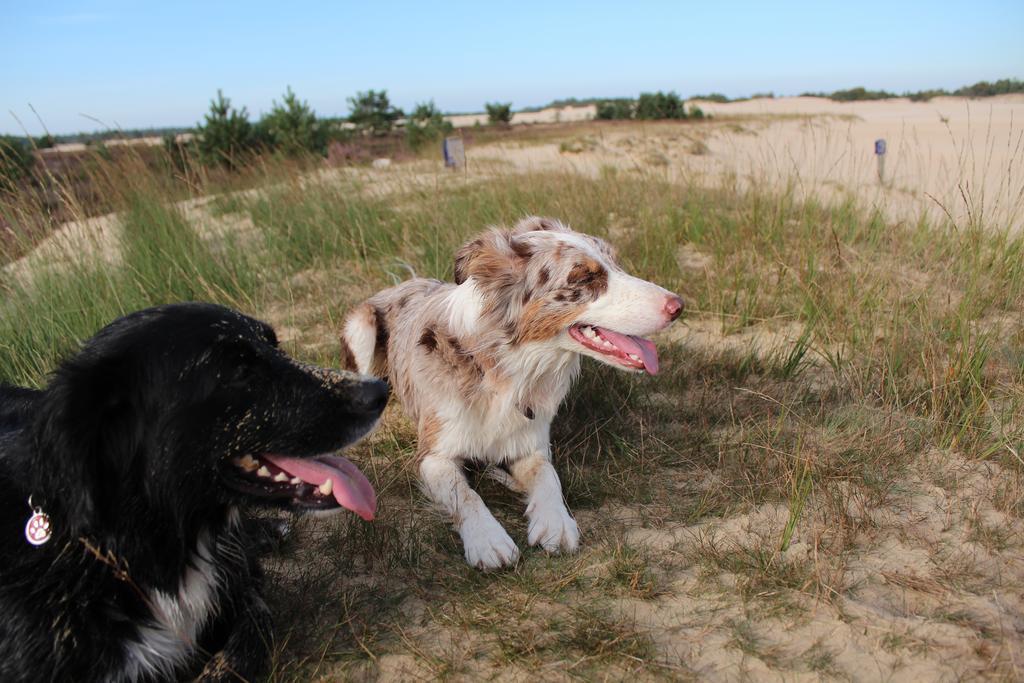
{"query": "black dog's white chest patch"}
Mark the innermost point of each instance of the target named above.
(169, 638)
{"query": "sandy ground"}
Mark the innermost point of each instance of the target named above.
(967, 155)
(951, 157)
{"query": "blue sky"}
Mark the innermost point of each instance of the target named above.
(158, 64)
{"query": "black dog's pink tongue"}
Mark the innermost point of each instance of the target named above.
(350, 487)
(644, 349)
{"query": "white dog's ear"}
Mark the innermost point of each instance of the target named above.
(495, 258)
(532, 223)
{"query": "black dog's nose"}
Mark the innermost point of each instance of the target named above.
(373, 396)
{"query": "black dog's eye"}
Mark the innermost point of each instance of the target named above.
(240, 364)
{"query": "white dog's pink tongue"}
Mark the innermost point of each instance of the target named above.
(350, 487)
(638, 346)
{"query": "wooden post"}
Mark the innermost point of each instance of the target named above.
(880, 153)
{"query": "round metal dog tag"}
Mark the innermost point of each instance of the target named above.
(37, 531)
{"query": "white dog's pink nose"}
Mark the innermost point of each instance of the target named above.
(673, 307)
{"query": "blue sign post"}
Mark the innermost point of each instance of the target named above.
(880, 153)
(454, 153)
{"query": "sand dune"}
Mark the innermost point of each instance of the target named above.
(951, 158)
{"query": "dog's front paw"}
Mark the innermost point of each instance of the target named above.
(552, 528)
(487, 545)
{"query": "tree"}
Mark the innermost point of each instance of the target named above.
(660, 105)
(499, 113)
(292, 127)
(226, 135)
(426, 124)
(620, 108)
(372, 111)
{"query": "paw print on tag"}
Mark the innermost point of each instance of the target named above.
(37, 531)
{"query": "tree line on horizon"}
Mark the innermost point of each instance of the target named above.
(226, 136)
(979, 89)
(291, 127)
(1004, 86)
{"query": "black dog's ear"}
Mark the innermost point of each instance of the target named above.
(496, 257)
(83, 444)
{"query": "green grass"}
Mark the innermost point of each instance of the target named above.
(904, 343)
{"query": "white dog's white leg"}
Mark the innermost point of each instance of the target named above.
(487, 545)
(551, 525)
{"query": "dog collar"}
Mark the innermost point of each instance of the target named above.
(37, 529)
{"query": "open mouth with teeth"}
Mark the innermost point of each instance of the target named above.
(627, 350)
(318, 483)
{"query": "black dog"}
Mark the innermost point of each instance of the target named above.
(139, 453)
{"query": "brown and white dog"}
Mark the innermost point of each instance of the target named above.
(482, 365)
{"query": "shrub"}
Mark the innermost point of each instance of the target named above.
(615, 109)
(16, 160)
(426, 124)
(712, 97)
(855, 94)
(499, 113)
(925, 95)
(852, 95)
(659, 105)
(1003, 86)
(292, 127)
(226, 135)
(372, 111)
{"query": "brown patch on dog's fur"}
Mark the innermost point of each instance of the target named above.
(460, 365)
(380, 358)
(525, 472)
(589, 276)
(428, 340)
(539, 322)
(382, 327)
(429, 430)
(464, 259)
(374, 317)
(543, 276)
(348, 359)
(520, 248)
(496, 259)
